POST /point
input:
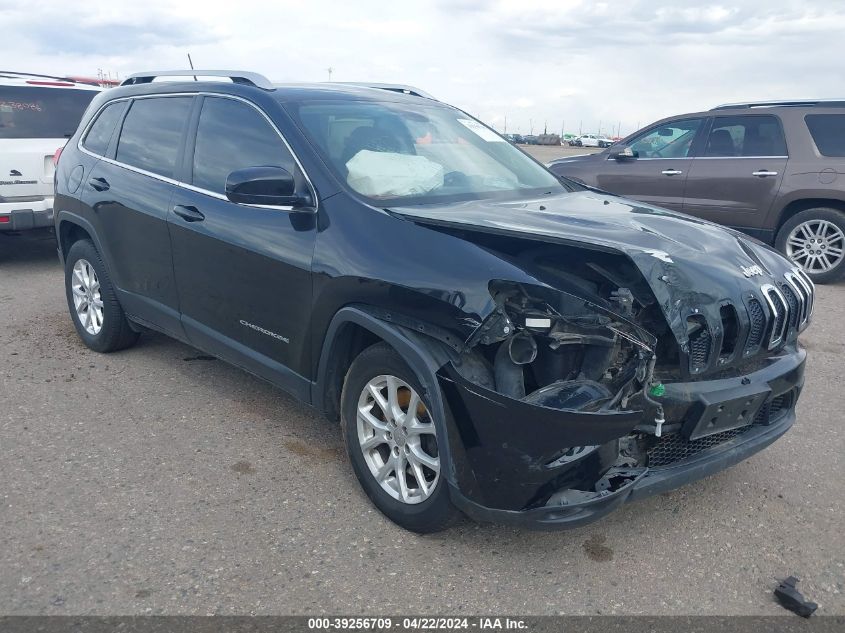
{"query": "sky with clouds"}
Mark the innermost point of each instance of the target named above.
(578, 63)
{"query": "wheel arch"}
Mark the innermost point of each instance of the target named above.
(352, 329)
(802, 204)
(71, 228)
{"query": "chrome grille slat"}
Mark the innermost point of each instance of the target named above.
(801, 292)
(811, 288)
(780, 314)
(794, 306)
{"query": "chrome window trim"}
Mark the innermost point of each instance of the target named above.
(736, 157)
(189, 186)
(668, 158)
(706, 158)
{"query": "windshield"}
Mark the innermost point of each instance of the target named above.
(419, 153)
(41, 112)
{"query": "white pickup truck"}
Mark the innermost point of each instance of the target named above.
(37, 115)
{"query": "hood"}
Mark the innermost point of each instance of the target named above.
(691, 265)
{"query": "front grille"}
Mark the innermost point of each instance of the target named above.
(672, 447)
(699, 342)
(758, 325)
(778, 306)
(794, 305)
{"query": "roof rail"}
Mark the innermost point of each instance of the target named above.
(237, 76)
(787, 103)
(404, 89)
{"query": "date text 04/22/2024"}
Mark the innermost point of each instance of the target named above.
(417, 623)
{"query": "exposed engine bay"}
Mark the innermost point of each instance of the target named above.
(554, 349)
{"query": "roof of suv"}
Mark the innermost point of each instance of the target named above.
(790, 103)
(292, 91)
(30, 80)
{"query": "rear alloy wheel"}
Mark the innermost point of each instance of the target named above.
(393, 439)
(815, 240)
(85, 287)
(97, 315)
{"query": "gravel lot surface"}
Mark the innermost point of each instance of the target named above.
(157, 481)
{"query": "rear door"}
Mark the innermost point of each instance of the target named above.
(658, 172)
(243, 272)
(737, 176)
(127, 195)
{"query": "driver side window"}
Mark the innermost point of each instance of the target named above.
(230, 136)
(671, 140)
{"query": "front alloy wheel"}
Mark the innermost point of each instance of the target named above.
(391, 435)
(397, 439)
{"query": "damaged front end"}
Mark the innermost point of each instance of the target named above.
(558, 408)
(554, 381)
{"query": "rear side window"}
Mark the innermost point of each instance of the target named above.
(232, 135)
(98, 136)
(828, 132)
(152, 133)
(759, 135)
(41, 112)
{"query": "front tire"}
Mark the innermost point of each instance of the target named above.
(96, 313)
(392, 442)
(814, 239)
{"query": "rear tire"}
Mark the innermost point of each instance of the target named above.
(389, 439)
(96, 313)
(814, 239)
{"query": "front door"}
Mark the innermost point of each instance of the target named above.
(738, 174)
(243, 272)
(657, 174)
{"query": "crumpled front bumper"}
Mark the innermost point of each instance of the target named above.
(512, 460)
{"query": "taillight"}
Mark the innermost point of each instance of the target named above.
(4, 219)
(56, 157)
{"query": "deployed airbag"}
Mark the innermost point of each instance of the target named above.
(389, 174)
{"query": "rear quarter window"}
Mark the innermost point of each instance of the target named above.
(36, 112)
(828, 132)
(98, 136)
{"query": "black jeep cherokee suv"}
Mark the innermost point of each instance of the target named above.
(491, 339)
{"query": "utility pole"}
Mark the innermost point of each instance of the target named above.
(599, 132)
(580, 128)
(546, 127)
(562, 128)
(330, 70)
(531, 126)
(506, 125)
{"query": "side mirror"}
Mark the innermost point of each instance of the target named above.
(624, 153)
(273, 186)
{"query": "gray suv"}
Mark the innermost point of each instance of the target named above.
(774, 170)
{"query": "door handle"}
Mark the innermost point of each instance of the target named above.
(671, 172)
(189, 214)
(762, 173)
(100, 184)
